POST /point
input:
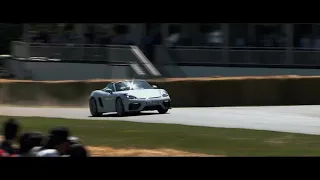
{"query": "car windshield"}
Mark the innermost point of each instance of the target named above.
(132, 85)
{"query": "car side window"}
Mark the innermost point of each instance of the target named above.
(110, 86)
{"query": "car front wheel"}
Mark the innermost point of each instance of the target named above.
(162, 110)
(93, 108)
(120, 107)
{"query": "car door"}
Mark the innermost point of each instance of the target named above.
(109, 99)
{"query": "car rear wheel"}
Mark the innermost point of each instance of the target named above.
(162, 110)
(120, 107)
(93, 108)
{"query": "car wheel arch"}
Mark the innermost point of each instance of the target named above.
(118, 98)
(100, 101)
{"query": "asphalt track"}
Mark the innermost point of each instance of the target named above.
(296, 119)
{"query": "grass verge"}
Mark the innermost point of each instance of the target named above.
(205, 140)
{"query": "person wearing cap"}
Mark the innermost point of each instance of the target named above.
(74, 140)
(57, 143)
(10, 132)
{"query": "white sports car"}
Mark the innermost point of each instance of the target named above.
(129, 96)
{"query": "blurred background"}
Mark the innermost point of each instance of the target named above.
(62, 51)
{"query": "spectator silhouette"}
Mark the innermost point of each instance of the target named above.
(57, 143)
(10, 131)
(28, 141)
(152, 38)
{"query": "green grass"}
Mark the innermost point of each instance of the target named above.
(218, 141)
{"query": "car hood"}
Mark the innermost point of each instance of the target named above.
(145, 93)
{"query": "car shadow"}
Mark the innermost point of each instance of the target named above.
(129, 115)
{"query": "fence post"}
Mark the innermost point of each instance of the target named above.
(225, 50)
(289, 44)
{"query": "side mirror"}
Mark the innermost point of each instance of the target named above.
(108, 90)
(154, 86)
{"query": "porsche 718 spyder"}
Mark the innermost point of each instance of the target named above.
(130, 96)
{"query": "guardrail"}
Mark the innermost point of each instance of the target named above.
(72, 52)
(193, 56)
(241, 56)
(114, 54)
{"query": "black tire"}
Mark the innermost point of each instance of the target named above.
(120, 107)
(93, 108)
(162, 111)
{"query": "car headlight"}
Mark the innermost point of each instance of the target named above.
(165, 94)
(131, 97)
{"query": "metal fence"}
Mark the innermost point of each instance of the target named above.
(168, 55)
(111, 54)
(230, 55)
(72, 52)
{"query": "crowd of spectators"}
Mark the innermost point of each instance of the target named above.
(304, 36)
(208, 35)
(213, 36)
(65, 33)
(58, 143)
(241, 36)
